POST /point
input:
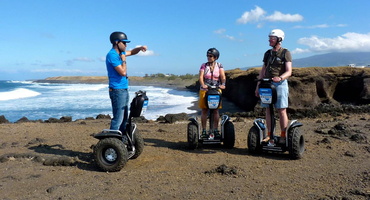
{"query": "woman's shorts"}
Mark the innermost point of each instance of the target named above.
(202, 99)
(282, 90)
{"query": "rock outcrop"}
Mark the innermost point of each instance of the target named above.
(309, 87)
(3, 120)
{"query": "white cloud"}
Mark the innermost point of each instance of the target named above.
(278, 16)
(319, 26)
(230, 37)
(58, 70)
(83, 59)
(79, 59)
(258, 15)
(299, 50)
(222, 33)
(348, 42)
(146, 53)
(65, 71)
(251, 16)
(341, 25)
(102, 58)
(260, 25)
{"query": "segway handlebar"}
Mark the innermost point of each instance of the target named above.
(264, 79)
(212, 86)
(140, 93)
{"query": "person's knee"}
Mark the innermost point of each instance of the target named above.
(282, 112)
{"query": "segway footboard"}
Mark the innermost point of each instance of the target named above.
(109, 133)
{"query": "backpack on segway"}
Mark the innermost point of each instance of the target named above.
(227, 135)
(115, 148)
(294, 142)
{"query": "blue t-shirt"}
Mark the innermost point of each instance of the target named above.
(116, 81)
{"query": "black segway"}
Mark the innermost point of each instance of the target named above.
(227, 136)
(114, 148)
(294, 142)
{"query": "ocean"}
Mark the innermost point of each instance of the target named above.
(45, 100)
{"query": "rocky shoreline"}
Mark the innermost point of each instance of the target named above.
(53, 159)
(228, 109)
(313, 91)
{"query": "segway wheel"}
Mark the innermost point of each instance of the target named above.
(110, 154)
(229, 135)
(296, 143)
(138, 143)
(254, 145)
(192, 136)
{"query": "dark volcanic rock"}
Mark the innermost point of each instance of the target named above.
(313, 90)
(52, 120)
(23, 119)
(3, 119)
(102, 116)
(171, 118)
(66, 119)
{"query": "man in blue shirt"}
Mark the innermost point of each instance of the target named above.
(118, 80)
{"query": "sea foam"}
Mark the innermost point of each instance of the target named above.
(45, 100)
(18, 94)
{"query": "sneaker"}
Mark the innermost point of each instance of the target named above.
(217, 133)
(204, 134)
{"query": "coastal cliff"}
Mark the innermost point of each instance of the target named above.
(308, 87)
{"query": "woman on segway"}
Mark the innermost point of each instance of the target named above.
(277, 65)
(210, 73)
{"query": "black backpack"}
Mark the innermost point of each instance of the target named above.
(269, 53)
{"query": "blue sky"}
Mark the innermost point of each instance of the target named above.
(40, 39)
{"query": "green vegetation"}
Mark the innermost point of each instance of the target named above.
(170, 77)
(166, 79)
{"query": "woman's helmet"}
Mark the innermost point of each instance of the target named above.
(118, 36)
(214, 52)
(278, 33)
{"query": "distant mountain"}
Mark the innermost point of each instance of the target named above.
(333, 60)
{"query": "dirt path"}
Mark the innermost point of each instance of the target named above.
(336, 164)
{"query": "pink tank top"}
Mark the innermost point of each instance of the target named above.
(210, 77)
(208, 74)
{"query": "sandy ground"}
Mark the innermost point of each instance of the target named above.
(54, 161)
